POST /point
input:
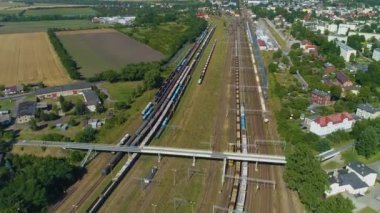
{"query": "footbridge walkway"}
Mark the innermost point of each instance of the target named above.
(156, 150)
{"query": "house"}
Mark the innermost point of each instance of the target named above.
(64, 90)
(346, 51)
(91, 99)
(12, 90)
(365, 173)
(202, 15)
(329, 68)
(26, 111)
(376, 54)
(95, 123)
(308, 47)
(262, 44)
(355, 178)
(344, 181)
(320, 98)
(366, 111)
(42, 105)
(324, 125)
(343, 80)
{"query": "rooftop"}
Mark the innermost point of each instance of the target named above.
(345, 46)
(343, 177)
(320, 93)
(67, 87)
(368, 108)
(341, 77)
(334, 118)
(360, 168)
(26, 108)
(91, 97)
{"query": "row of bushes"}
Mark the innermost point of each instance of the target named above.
(67, 61)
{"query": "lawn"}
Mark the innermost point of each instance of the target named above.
(351, 155)
(367, 210)
(80, 11)
(7, 104)
(332, 165)
(164, 40)
(42, 26)
(97, 51)
(120, 91)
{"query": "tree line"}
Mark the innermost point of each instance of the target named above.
(66, 59)
(31, 184)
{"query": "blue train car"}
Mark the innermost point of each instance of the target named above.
(148, 113)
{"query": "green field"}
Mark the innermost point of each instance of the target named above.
(120, 91)
(40, 26)
(164, 40)
(7, 104)
(80, 11)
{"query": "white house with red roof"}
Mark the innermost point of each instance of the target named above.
(308, 47)
(324, 125)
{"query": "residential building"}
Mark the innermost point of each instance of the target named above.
(26, 111)
(308, 47)
(337, 37)
(343, 80)
(262, 45)
(324, 125)
(320, 98)
(376, 54)
(12, 90)
(64, 90)
(346, 51)
(344, 181)
(367, 111)
(329, 68)
(91, 99)
(365, 173)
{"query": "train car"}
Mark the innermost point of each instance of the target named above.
(107, 169)
(148, 113)
(147, 107)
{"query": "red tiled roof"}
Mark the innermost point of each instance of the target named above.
(335, 118)
(261, 42)
(310, 46)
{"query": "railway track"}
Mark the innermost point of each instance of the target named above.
(166, 101)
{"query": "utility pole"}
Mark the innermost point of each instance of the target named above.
(174, 174)
(154, 207)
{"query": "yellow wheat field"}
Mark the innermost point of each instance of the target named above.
(30, 58)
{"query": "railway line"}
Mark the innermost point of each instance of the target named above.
(166, 101)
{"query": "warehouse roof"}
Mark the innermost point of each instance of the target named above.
(67, 87)
(26, 108)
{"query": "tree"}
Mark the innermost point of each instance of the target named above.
(33, 124)
(336, 204)
(87, 135)
(153, 79)
(367, 142)
(80, 108)
(304, 174)
(356, 42)
(336, 92)
(272, 67)
(277, 54)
